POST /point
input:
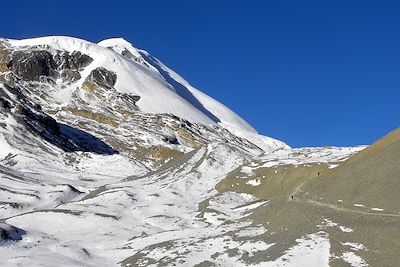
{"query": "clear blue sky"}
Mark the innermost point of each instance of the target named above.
(310, 73)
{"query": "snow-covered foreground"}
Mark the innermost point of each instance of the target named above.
(164, 217)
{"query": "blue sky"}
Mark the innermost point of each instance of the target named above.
(310, 73)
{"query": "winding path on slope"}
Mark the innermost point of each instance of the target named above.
(317, 203)
(332, 206)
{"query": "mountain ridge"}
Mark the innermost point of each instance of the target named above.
(148, 83)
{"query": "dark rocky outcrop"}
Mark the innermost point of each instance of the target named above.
(69, 65)
(74, 61)
(33, 64)
(5, 104)
(69, 75)
(131, 99)
(41, 65)
(9, 232)
(100, 83)
(63, 136)
(102, 77)
(30, 116)
(171, 140)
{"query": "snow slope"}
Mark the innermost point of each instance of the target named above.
(212, 108)
(157, 94)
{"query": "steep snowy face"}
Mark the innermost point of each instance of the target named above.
(158, 92)
(136, 80)
(132, 78)
(207, 105)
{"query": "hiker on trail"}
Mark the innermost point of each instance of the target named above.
(292, 197)
(318, 173)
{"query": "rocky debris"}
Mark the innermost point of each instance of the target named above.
(102, 77)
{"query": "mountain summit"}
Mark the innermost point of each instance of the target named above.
(150, 86)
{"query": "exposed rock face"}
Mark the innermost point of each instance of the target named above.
(100, 83)
(171, 140)
(4, 104)
(69, 65)
(33, 119)
(132, 99)
(32, 65)
(28, 112)
(70, 75)
(41, 65)
(128, 54)
(74, 61)
(38, 121)
(102, 77)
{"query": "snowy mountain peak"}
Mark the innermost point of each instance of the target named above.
(118, 41)
(155, 88)
(201, 101)
(123, 47)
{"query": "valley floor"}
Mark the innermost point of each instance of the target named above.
(173, 217)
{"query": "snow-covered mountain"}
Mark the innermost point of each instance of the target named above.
(161, 90)
(108, 157)
(138, 76)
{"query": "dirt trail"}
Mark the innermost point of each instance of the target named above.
(348, 210)
(332, 206)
